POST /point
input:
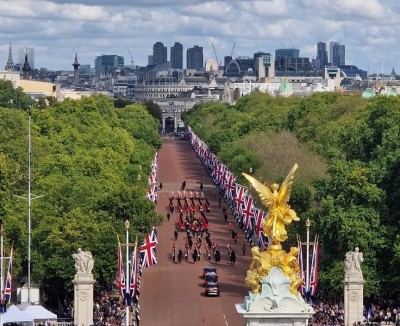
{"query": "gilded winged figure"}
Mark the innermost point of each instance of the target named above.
(276, 200)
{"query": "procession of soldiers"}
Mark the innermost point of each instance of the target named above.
(191, 208)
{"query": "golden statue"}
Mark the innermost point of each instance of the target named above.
(279, 211)
(279, 215)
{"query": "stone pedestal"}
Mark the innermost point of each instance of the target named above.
(275, 305)
(83, 299)
(353, 298)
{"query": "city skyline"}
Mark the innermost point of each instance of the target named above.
(58, 29)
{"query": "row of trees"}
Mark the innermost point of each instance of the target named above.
(91, 163)
(347, 182)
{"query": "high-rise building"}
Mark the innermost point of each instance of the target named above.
(194, 58)
(108, 64)
(29, 52)
(322, 55)
(337, 54)
(176, 56)
(159, 53)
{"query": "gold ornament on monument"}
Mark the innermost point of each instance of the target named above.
(275, 198)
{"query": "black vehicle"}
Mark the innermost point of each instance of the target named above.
(210, 277)
(209, 268)
(212, 289)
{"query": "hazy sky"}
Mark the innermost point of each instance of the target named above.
(57, 29)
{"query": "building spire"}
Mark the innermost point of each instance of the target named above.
(76, 70)
(10, 63)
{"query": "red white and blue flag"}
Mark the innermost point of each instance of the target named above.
(230, 185)
(301, 264)
(121, 274)
(148, 249)
(134, 274)
(314, 270)
(248, 213)
(8, 282)
(259, 217)
(239, 199)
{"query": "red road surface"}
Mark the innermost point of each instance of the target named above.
(172, 294)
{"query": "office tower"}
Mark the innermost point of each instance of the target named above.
(322, 55)
(194, 58)
(337, 54)
(29, 52)
(159, 53)
(176, 56)
(108, 64)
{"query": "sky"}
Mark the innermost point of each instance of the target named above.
(58, 29)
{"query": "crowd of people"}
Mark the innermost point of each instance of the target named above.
(108, 311)
(330, 313)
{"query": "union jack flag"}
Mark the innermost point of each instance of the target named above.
(148, 249)
(7, 286)
(134, 274)
(121, 274)
(301, 264)
(248, 213)
(239, 199)
(314, 270)
(230, 185)
(259, 216)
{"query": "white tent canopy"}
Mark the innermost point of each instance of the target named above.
(14, 315)
(38, 312)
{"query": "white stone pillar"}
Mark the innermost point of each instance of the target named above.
(83, 288)
(83, 299)
(163, 124)
(353, 288)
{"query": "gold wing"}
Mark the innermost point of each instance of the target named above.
(263, 191)
(286, 187)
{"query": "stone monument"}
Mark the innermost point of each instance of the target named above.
(83, 288)
(353, 288)
(274, 275)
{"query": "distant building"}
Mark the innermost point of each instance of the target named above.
(194, 58)
(264, 65)
(337, 54)
(30, 53)
(159, 53)
(108, 64)
(176, 56)
(322, 55)
(76, 65)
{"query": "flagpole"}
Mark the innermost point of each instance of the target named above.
(308, 223)
(127, 274)
(2, 272)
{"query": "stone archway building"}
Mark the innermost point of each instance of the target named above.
(172, 109)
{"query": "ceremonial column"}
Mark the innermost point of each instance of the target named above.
(83, 288)
(353, 288)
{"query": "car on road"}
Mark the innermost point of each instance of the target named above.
(210, 277)
(208, 269)
(212, 289)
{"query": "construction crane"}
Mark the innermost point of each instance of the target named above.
(233, 48)
(131, 57)
(215, 54)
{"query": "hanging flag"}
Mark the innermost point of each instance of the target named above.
(239, 199)
(134, 274)
(148, 249)
(301, 264)
(8, 283)
(121, 274)
(314, 269)
(248, 212)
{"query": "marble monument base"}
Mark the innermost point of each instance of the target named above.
(83, 299)
(275, 305)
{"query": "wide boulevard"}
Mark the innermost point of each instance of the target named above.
(172, 294)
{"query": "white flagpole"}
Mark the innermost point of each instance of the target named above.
(308, 223)
(127, 280)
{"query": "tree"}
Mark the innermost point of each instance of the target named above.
(154, 110)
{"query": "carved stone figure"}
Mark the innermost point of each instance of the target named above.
(83, 261)
(353, 260)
